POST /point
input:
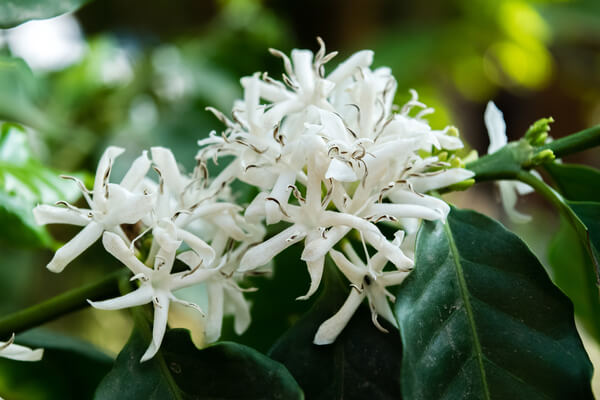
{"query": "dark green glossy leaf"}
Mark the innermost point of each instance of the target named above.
(70, 369)
(363, 363)
(575, 182)
(480, 319)
(577, 270)
(180, 371)
(573, 272)
(15, 12)
(24, 183)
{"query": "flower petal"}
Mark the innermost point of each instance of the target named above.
(315, 270)
(115, 246)
(239, 308)
(84, 239)
(164, 159)
(140, 296)
(340, 171)
(161, 314)
(263, 253)
(104, 167)
(353, 273)
(136, 173)
(508, 195)
(20, 353)
(345, 69)
(496, 127)
(330, 329)
(46, 214)
(215, 312)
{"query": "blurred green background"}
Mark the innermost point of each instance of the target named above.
(138, 74)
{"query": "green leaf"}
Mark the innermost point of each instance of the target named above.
(573, 253)
(480, 319)
(180, 371)
(362, 363)
(15, 12)
(70, 369)
(575, 182)
(573, 272)
(19, 93)
(24, 183)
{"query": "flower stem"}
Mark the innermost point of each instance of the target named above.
(62, 304)
(579, 141)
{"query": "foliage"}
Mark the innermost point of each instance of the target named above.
(479, 317)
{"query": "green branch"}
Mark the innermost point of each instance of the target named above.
(64, 303)
(515, 157)
(574, 143)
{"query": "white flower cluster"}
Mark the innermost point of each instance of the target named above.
(329, 154)
(189, 218)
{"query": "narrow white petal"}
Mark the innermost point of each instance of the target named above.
(21, 353)
(340, 171)
(240, 308)
(448, 142)
(382, 307)
(136, 172)
(215, 312)
(409, 197)
(84, 239)
(46, 214)
(315, 270)
(161, 314)
(104, 165)
(165, 234)
(256, 209)
(390, 251)
(508, 195)
(319, 247)
(125, 207)
(403, 211)
(251, 98)
(302, 60)
(115, 246)
(263, 253)
(330, 329)
(270, 92)
(392, 278)
(496, 127)
(353, 273)
(226, 223)
(164, 159)
(441, 180)
(140, 296)
(185, 279)
(198, 245)
(281, 193)
(360, 59)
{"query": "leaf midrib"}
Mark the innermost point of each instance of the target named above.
(464, 292)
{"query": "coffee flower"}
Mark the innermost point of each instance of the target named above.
(366, 281)
(156, 284)
(110, 206)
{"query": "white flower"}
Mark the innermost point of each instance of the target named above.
(17, 352)
(110, 206)
(496, 127)
(224, 295)
(156, 284)
(366, 281)
(321, 229)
